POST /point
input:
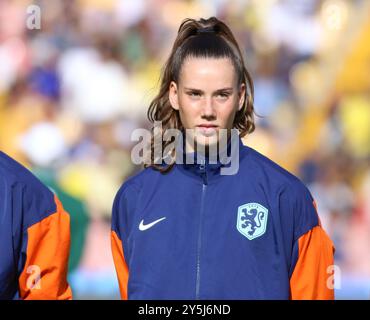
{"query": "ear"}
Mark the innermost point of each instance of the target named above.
(241, 96)
(173, 95)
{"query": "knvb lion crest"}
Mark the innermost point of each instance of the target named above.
(252, 220)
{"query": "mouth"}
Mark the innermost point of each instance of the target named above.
(207, 129)
(207, 126)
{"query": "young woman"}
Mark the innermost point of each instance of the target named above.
(187, 231)
(34, 237)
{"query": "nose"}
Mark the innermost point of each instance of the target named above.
(208, 110)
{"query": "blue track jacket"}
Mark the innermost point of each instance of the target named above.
(196, 234)
(34, 237)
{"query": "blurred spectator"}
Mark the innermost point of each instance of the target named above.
(72, 92)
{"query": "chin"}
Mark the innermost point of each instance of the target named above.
(206, 141)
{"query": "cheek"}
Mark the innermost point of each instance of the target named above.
(227, 112)
(188, 109)
(187, 102)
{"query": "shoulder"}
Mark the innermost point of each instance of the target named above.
(149, 178)
(294, 198)
(133, 186)
(266, 169)
(137, 181)
(13, 172)
(127, 199)
(28, 191)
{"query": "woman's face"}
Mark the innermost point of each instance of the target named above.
(207, 98)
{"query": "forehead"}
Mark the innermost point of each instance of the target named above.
(207, 73)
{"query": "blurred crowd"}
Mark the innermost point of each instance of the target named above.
(73, 90)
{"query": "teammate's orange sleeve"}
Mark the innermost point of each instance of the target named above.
(44, 275)
(312, 277)
(120, 264)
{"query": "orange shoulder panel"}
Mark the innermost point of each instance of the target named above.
(120, 264)
(45, 272)
(311, 278)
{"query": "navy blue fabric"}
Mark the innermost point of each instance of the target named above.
(24, 201)
(197, 251)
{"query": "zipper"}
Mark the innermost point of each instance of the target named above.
(203, 172)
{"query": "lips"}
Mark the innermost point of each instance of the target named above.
(207, 126)
(207, 129)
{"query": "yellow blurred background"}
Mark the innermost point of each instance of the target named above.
(72, 91)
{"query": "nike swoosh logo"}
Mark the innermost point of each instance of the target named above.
(143, 227)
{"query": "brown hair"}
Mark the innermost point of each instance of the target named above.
(204, 38)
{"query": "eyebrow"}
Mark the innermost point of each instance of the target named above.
(218, 90)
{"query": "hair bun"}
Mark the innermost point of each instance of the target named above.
(206, 30)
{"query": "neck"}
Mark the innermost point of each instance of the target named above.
(191, 146)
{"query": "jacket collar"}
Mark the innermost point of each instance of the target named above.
(207, 168)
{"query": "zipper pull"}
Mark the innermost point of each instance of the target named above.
(203, 172)
(202, 166)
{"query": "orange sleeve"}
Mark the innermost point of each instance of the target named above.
(44, 276)
(120, 264)
(310, 279)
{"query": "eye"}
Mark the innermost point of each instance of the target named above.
(223, 95)
(194, 94)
